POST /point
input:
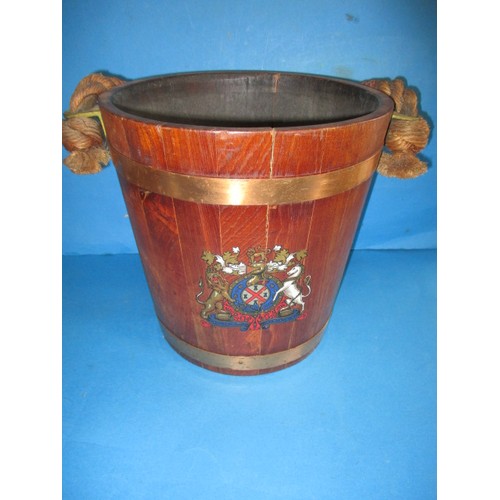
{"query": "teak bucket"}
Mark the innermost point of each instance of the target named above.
(244, 191)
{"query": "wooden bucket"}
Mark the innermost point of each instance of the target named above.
(244, 191)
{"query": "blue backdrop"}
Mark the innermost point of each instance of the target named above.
(356, 40)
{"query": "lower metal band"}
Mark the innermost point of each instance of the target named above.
(247, 192)
(243, 363)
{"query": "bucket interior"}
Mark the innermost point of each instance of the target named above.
(245, 99)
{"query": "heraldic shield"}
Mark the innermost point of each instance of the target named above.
(268, 286)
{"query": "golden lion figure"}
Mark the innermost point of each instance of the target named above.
(219, 286)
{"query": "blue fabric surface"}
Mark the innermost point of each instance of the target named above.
(355, 420)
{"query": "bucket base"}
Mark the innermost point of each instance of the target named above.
(242, 365)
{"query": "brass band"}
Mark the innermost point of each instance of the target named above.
(231, 191)
(243, 363)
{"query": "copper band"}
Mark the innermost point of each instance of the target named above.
(243, 363)
(231, 191)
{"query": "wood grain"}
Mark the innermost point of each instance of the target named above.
(179, 241)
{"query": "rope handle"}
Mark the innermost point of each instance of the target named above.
(408, 132)
(84, 135)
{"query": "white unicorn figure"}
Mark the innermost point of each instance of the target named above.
(290, 288)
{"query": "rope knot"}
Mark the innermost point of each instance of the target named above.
(408, 132)
(83, 136)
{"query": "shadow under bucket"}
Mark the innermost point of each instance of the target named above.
(244, 191)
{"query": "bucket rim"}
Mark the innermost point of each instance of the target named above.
(385, 104)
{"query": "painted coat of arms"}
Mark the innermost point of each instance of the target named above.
(267, 287)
